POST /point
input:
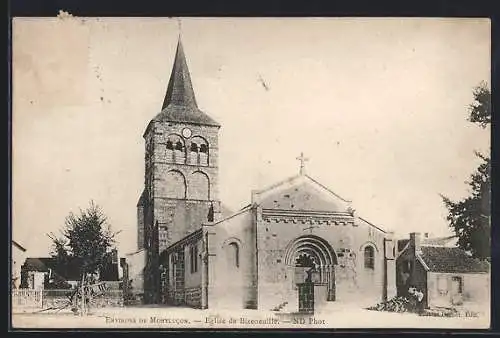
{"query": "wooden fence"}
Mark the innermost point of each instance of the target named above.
(26, 300)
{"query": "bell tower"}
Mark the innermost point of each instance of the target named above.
(181, 167)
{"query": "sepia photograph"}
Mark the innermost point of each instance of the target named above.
(250, 173)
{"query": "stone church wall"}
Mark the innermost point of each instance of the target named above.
(182, 282)
(356, 282)
(353, 280)
(192, 287)
(182, 191)
(233, 280)
(178, 218)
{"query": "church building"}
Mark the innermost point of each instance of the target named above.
(296, 246)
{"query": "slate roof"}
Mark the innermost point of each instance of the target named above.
(109, 272)
(451, 260)
(43, 264)
(180, 104)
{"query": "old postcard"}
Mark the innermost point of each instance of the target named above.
(250, 173)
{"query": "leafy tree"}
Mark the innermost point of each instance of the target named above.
(480, 109)
(470, 217)
(86, 242)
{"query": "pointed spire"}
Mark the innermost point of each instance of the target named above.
(180, 104)
(180, 89)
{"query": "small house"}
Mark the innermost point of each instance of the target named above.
(48, 273)
(447, 275)
(17, 257)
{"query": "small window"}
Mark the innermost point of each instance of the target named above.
(234, 255)
(170, 145)
(178, 146)
(193, 258)
(369, 257)
(194, 147)
(203, 148)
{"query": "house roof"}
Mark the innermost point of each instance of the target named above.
(44, 264)
(451, 260)
(180, 104)
(68, 271)
(19, 246)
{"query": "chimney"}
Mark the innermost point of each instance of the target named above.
(415, 241)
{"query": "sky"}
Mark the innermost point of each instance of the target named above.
(378, 105)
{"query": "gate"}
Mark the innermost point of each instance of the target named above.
(306, 297)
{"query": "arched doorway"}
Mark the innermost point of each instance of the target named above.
(311, 262)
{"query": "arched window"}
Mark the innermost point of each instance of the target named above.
(179, 156)
(369, 257)
(233, 254)
(178, 146)
(175, 149)
(193, 154)
(204, 154)
(170, 151)
(198, 152)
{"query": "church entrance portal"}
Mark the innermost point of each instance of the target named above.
(313, 261)
(306, 297)
(306, 269)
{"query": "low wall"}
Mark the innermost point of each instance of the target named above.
(193, 297)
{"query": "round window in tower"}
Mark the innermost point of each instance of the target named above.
(186, 132)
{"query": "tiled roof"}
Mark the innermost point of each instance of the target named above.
(179, 104)
(443, 259)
